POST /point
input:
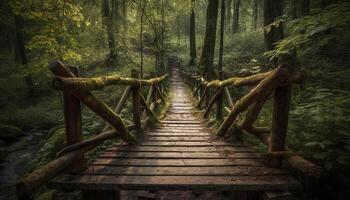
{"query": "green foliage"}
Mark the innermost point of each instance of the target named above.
(331, 25)
(319, 127)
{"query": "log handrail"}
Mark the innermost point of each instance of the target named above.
(276, 83)
(76, 90)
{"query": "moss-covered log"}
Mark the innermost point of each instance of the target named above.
(33, 181)
(88, 84)
(270, 83)
(254, 79)
(304, 166)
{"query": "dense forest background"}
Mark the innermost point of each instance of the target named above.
(104, 37)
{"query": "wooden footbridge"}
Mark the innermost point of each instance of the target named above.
(182, 153)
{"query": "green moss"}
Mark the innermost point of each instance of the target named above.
(48, 151)
(10, 133)
(47, 195)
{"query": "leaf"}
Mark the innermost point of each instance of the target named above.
(310, 144)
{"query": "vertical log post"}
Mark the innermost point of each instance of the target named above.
(219, 102)
(281, 104)
(136, 101)
(154, 95)
(73, 125)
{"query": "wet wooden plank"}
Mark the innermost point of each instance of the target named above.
(189, 144)
(169, 139)
(181, 122)
(177, 155)
(184, 171)
(229, 183)
(179, 149)
(177, 162)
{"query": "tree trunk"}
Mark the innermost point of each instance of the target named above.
(193, 51)
(107, 16)
(304, 8)
(125, 15)
(235, 18)
(255, 14)
(207, 56)
(142, 14)
(21, 53)
(293, 9)
(272, 10)
(228, 18)
(219, 102)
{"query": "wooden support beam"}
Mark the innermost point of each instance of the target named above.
(136, 101)
(96, 105)
(212, 102)
(148, 109)
(228, 96)
(121, 104)
(201, 99)
(101, 194)
(73, 124)
(160, 94)
(220, 100)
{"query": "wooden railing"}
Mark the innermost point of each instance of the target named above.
(77, 90)
(277, 83)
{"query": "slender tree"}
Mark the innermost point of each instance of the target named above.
(255, 14)
(219, 105)
(142, 8)
(125, 14)
(228, 18)
(207, 56)
(21, 52)
(304, 8)
(193, 51)
(273, 9)
(108, 19)
(235, 18)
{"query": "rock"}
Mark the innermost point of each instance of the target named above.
(3, 154)
(54, 129)
(10, 133)
(20, 145)
(37, 134)
(2, 143)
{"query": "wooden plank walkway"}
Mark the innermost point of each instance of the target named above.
(182, 154)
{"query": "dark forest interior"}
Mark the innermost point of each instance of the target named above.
(175, 99)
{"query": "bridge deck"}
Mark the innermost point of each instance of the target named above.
(182, 154)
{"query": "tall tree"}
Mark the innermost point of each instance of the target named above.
(228, 18)
(255, 14)
(108, 19)
(219, 104)
(142, 8)
(125, 14)
(304, 8)
(235, 18)
(273, 9)
(193, 51)
(207, 56)
(21, 52)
